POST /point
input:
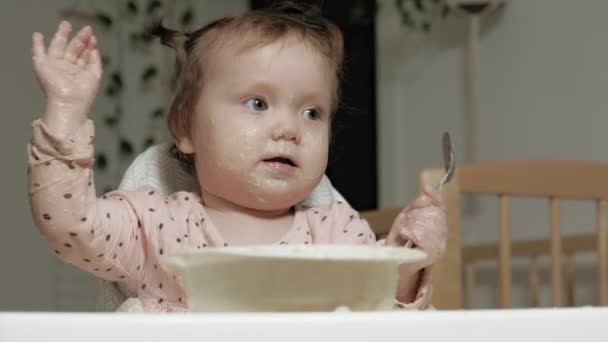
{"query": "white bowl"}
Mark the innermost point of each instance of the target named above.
(291, 278)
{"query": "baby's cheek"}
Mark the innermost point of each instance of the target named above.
(316, 148)
(236, 148)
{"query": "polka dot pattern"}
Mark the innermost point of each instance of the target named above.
(122, 235)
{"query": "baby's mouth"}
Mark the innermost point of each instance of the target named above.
(281, 160)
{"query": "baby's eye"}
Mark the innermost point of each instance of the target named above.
(257, 104)
(312, 114)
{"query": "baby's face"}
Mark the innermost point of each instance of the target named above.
(260, 133)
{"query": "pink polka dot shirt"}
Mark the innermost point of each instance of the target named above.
(121, 236)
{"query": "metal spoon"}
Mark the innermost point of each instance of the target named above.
(449, 163)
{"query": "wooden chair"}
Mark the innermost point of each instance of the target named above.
(553, 180)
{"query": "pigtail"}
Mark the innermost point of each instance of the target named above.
(170, 38)
(174, 39)
(186, 161)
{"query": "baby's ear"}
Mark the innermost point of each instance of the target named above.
(184, 144)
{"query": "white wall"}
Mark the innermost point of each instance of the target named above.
(29, 270)
(543, 81)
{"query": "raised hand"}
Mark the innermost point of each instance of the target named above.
(69, 74)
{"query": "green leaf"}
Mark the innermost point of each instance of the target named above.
(406, 19)
(135, 37)
(101, 161)
(111, 91)
(149, 142)
(132, 7)
(157, 113)
(104, 19)
(116, 79)
(146, 37)
(419, 5)
(111, 121)
(149, 73)
(153, 6)
(115, 85)
(187, 17)
(445, 11)
(400, 5)
(126, 149)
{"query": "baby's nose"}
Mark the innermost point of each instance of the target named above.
(287, 129)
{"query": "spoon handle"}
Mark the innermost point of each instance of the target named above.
(449, 165)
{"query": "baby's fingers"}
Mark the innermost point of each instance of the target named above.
(78, 44)
(38, 51)
(435, 195)
(430, 196)
(85, 56)
(59, 41)
(94, 64)
(421, 201)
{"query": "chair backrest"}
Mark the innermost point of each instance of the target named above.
(553, 180)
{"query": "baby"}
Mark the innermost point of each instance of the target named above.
(251, 118)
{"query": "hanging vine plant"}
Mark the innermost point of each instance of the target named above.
(139, 41)
(420, 14)
(414, 14)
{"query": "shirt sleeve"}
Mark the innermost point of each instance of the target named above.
(98, 235)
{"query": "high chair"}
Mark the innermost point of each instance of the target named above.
(553, 180)
(155, 167)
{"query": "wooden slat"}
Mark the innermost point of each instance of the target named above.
(570, 280)
(534, 281)
(553, 179)
(602, 253)
(567, 179)
(381, 220)
(556, 252)
(504, 250)
(470, 285)
(570, 245)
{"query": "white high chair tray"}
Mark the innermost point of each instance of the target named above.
(579, 324)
